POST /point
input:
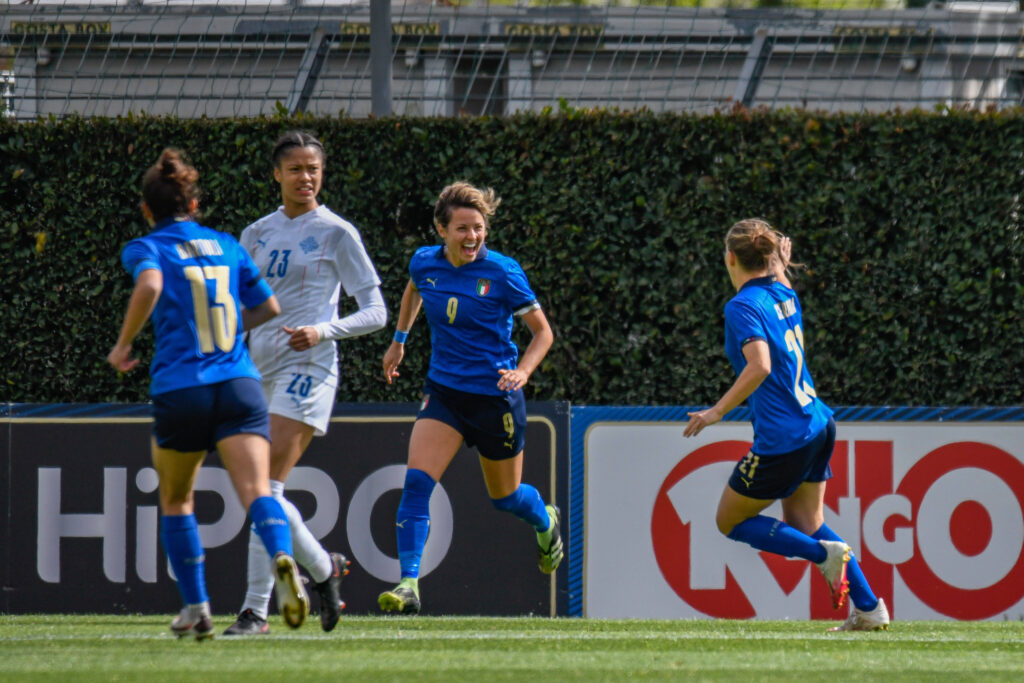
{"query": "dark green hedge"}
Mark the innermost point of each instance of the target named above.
(908, 223)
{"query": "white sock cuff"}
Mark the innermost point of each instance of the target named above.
(276, 488)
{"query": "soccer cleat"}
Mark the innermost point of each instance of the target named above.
(248, 623)
(549, 558)
(193, 620)
(292, 599)
(331, 603)
(403, 598)
(834, 570)
(875, 620)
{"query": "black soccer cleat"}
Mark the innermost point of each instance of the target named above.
(248, 623)
(331, 603)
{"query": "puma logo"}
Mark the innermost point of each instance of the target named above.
(432, 281)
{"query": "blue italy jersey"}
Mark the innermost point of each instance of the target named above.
(197, 319)
(785, 410)
(470, 311)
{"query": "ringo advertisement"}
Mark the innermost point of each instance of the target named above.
(933, 510)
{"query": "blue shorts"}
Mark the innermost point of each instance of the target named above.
(496, 425)
(776, 477)
(197, 418)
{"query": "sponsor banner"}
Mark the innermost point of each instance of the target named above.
(84, 519)
(933, 510)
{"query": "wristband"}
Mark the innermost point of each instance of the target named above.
(400, 336)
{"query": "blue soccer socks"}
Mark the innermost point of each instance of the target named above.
(526, 504)
(861, 595)
(180, 536)
(775, 536)
(271, 524)
(413, 520)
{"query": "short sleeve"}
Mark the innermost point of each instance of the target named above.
(520, 295)
(743, 324)
(139, 255)
(252, 288)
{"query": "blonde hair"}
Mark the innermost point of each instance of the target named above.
(462, 195)
(756, 245)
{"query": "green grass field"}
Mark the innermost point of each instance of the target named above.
(110, 648)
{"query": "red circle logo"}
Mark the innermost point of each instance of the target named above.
(670, 537)
(971, 530)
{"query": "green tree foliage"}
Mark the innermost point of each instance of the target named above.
(908, 223)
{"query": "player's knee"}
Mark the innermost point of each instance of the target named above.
(726, 523)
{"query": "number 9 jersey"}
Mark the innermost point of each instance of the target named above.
(197, 319)
(785, 410)
(470, 311)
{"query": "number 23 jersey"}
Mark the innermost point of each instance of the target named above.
(307, 260)
(470, 311)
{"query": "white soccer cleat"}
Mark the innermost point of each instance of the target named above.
(875, 620)
(292, 599)
(834, 570)
(193, 620)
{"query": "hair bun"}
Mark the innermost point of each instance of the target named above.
(170, 164)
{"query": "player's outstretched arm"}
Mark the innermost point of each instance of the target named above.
(148, 287)
(759, 366)
(410, 308)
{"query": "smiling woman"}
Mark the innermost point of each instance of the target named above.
(474, 388)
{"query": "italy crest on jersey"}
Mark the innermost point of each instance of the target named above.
(483, 286)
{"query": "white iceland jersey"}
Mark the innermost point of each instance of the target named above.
(307, 261)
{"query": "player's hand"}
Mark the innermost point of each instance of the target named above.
(785, 249)
(303, 338)
(393, 357)
(512, 380)
(701, 419)
(121, 358)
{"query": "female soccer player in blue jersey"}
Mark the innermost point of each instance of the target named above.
(793, 429)
(309, 255)
(194, 282)
(474, 387)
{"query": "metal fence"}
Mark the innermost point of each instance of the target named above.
(197, 58)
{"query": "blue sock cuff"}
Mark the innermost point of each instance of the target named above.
(526, 504)
(179, 522)
(419, 482)
(271, 523)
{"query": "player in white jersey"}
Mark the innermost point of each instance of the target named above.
(308, 255)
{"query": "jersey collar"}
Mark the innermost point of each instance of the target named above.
(480, 256)
(160, 225)
(760, 281)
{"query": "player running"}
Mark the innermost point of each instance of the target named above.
(308, 254)
(194, 282)
(474, 387)
(793, 429)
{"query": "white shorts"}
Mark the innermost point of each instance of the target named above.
(302, 393)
